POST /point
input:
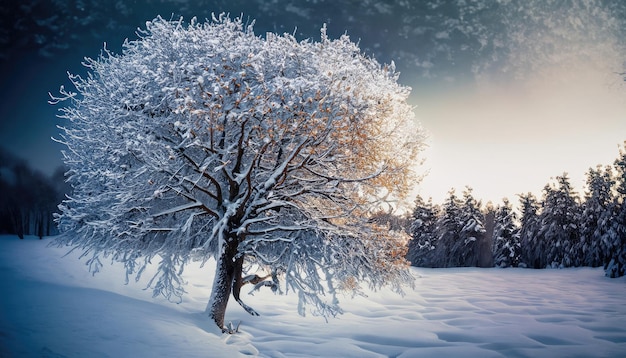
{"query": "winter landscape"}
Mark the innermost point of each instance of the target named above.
(180, 179)
(52, 307)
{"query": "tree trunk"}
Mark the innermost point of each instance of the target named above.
(16, 219)
(222, 284)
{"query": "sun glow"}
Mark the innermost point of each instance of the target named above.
(506, 139)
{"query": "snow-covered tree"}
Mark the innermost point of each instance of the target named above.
(614, 220)
(599, 199)
(423, 241)
(560, 221)
(448, 229)
(459, 232)
(506, 237)
(532, 245)
(471, 241)
(203, 140)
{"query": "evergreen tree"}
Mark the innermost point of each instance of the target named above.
(470, 245)
(560, 224)
(459, 231)
(532, 245)
(421, 247)
(447, 232)
(506, 237)
(487, 250)
(597, 205)
(614, 239)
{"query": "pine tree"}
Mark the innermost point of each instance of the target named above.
(421, 247)
(489, 214)
(532, 246)
(471, 243)
(614, 238)
(447, 231)
(506, 237)
(560, 224)
(598, 203)
(460, 232)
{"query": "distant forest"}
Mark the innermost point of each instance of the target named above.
(28, 199)
(562, 229)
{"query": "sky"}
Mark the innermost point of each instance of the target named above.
(507, 139)
(511, 93)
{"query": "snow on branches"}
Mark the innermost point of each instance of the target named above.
(203, 140)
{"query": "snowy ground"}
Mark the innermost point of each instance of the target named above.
(52, 307)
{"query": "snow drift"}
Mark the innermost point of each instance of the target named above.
(52, 307)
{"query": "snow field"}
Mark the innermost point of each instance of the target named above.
(52, 307)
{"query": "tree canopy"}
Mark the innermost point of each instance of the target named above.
(203, 140)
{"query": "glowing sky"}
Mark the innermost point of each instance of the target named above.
(507, 139)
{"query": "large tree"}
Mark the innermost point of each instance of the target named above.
(203, 140)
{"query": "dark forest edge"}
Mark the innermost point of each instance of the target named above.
(28, 198)
(562, 229)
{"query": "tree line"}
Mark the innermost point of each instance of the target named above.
(29, 199)
(562, 229)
